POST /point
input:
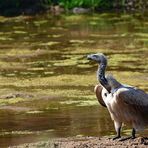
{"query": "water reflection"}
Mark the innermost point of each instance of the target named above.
(57, 123)
(46, 57)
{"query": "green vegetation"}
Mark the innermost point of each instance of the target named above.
(69, 4)
(16, 7)
(66, 3)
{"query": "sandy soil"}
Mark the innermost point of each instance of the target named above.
(88, 142)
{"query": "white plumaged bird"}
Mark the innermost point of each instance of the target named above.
(126, 104)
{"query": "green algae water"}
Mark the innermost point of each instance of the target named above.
(46, 82)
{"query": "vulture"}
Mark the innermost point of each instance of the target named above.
(126, 104)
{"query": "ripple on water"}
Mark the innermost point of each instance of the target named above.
(46, 57)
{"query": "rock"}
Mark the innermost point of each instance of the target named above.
(80, 10)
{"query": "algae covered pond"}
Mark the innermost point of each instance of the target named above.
(46, 82)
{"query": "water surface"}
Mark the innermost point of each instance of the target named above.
(46, 81)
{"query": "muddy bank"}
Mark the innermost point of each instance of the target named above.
(89, 142)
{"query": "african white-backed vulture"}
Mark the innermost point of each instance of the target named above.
(126, 104)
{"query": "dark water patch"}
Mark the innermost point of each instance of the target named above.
(142, 70)
(39, 55)
(40, 73)
(58, 121)
(45, 87)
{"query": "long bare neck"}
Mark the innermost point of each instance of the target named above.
(101, 75)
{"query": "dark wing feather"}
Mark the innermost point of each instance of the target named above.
(136, 98)
(98, 91)
(133, 96)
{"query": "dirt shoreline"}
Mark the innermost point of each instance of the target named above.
(88, 142)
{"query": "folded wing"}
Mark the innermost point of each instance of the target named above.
(136, 99)
(98, 91)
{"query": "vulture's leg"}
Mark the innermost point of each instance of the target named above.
(118, 129)
(133, 133)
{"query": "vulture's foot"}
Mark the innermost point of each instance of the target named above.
(117, 137)
(127, 138)
(118, 134)
(131, 137)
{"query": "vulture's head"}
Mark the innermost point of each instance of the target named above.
(99, 58)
